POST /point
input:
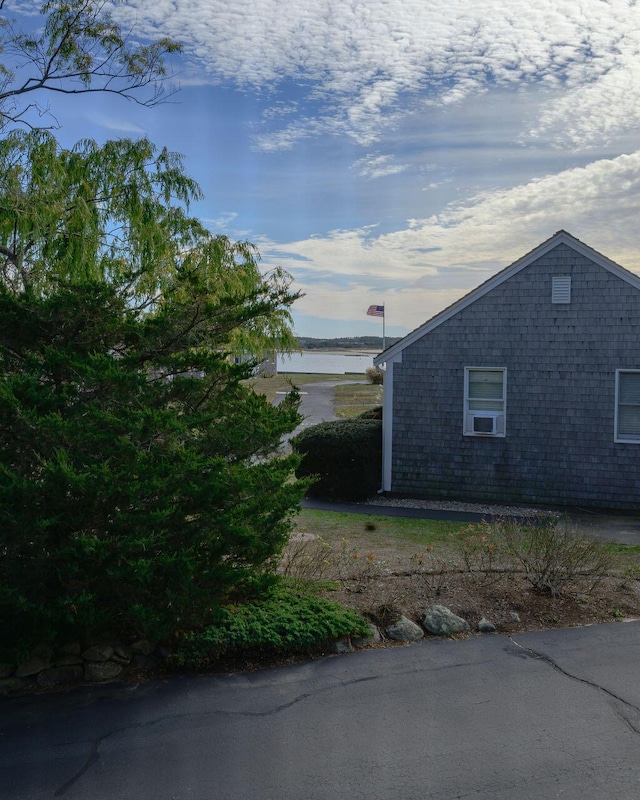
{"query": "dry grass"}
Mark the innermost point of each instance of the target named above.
(272, 384)
(386, 565)
(351, 400)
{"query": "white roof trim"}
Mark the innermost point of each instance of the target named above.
(561, 237)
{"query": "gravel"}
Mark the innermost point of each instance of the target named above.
(453, 505)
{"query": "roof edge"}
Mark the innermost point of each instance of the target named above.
(560, 237)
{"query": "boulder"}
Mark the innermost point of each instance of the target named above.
(366, 641)
(57, 676)
(440, 621)
(486, 626)
(70, 649)
(6, 670)
(33, 665)
(341, 646)
(97, 671)
(143, 647)
(99, 652)
(404, 630)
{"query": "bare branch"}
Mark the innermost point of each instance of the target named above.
(82, 50)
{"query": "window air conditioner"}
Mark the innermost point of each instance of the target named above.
(485, 423)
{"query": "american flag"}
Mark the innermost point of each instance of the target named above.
(375, 311)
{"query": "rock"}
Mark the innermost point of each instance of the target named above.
(33, 665)
(97, 671)
(143, 647)
(43, 651)
(6, 670)
(341, 646)
(8, 685)
(486, 626)
(70, 649)
(121, 654)
(440, 621)
(99, 652)
(515, 617)
(56, 676)
(67, 661)
(366, 641)
(404, 630)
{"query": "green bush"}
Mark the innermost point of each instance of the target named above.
(283, 623)
(131, 504)
(371, 413)
(345, 457)
(374, 375)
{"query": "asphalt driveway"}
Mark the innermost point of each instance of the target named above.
(553, 714)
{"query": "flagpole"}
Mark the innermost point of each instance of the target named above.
(384, 317)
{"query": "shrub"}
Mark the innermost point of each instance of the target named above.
(371, 413)
(374, 375)
(344, 456)
(551, 554)
(283, 623)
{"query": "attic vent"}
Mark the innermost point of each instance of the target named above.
(561, 289)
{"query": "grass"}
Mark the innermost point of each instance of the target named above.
(376, 530)
(272, 384)
(351, 400)
(404, 534)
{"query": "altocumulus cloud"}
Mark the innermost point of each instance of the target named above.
(363, 65)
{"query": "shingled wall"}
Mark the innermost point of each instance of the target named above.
(560, 360)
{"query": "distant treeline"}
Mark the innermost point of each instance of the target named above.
(348, 343)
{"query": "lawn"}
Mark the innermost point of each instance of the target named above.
(352, 399)
(272, 384)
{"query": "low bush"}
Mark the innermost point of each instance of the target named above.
(371, 413)
(285, 622)
(551, 554)
(344, 456)
(374, 375)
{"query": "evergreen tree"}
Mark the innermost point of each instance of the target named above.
(140, 486)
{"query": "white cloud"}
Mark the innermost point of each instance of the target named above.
(363, 64)
(434, 261)
(377, 166)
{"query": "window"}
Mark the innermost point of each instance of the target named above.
(627, 418)
(485, 393)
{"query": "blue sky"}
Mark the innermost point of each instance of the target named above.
(396, 151)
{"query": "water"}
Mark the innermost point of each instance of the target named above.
(323, 363)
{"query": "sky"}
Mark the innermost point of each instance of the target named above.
(395, 152)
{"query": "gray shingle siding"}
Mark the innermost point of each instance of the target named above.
(561, 361)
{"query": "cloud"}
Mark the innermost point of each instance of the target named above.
(377, 166)
(363, 65)
(434, 261)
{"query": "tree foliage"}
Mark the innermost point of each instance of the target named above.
(138, 486)
(75, 47)
(119, 212)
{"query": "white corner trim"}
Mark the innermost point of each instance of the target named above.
(387, 425)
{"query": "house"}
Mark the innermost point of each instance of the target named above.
(527, 390)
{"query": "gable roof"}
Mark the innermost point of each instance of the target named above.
(561, 237)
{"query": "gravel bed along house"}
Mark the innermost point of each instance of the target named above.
(453, 505)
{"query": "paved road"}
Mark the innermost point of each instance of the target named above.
(552, 714)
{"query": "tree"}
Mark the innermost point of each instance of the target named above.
(119, 212)
(79, 49)
(138, 486)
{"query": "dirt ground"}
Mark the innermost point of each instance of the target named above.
(383, 578)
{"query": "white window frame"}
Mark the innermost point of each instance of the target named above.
(500, 416)
(617, 437)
